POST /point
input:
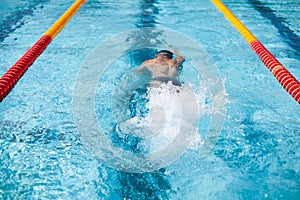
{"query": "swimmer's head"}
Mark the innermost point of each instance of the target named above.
(165, 53)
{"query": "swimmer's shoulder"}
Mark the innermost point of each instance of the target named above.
(148, 62)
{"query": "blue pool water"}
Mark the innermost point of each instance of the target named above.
(43, 153)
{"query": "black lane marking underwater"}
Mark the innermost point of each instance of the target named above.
(147, 17)
(292, 39)
(14, 20)
(146, 185)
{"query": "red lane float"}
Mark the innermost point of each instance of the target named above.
(285, 78)
(13, 75)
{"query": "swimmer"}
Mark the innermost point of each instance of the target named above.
(163, 68)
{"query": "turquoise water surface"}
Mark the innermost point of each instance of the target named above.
(257, 153)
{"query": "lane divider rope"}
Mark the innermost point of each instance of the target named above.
(284, 77)
(14, 74)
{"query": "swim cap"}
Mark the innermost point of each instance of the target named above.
(166, 53)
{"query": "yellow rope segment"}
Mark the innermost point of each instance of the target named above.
(63, 20)
(249, 37)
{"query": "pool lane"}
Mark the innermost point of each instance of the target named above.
(289, 36)
(14, 20)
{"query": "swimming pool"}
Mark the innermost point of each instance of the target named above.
(257, 153)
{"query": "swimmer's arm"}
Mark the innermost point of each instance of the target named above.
(179, 59)
(144, 65)
(140, 68)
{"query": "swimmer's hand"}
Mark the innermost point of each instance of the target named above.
(179, 58)
(175, 50)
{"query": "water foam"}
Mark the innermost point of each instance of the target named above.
(165, 119)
